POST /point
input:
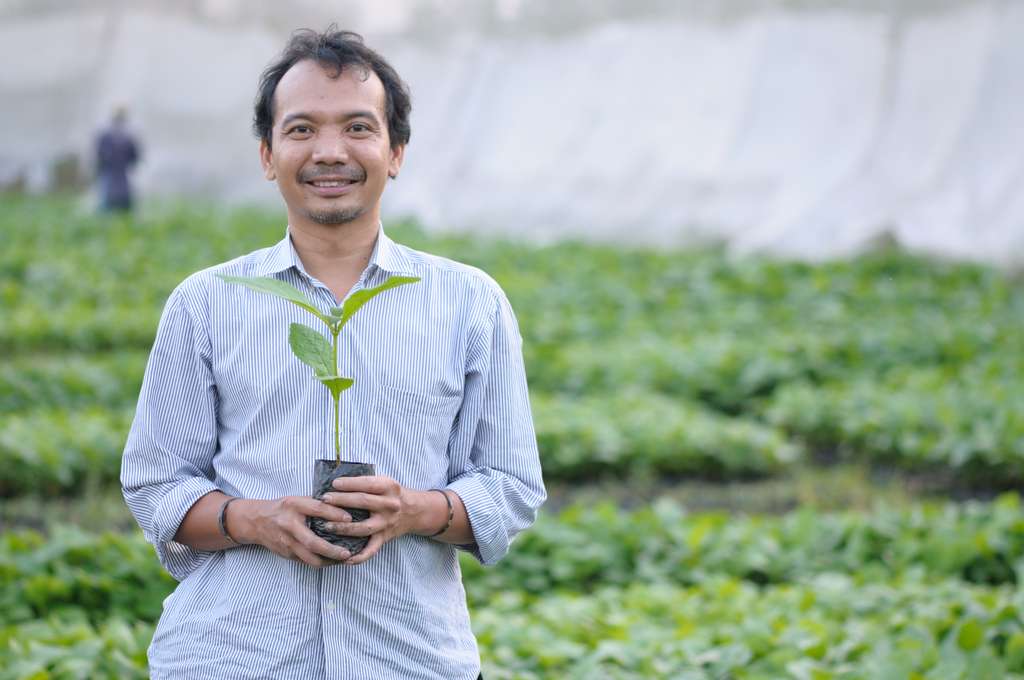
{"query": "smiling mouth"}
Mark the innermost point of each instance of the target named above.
(331, 183)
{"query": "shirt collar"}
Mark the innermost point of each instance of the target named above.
(280, 257)
(386, 256)
(389, 257)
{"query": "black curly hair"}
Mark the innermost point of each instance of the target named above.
(335, 50)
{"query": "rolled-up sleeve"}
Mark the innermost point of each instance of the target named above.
(167, 461)
(501, 486)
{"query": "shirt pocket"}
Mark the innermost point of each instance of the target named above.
(408, 435)
(418, 403)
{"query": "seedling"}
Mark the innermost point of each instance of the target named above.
(308, 344)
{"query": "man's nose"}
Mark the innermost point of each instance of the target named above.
(330, 148)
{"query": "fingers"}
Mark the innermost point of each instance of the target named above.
(366, 527)
(307, 547)
(367, 501)
(375, 543)
(377, 485)
(312, 507)
(287, 534)
(322, 557)
(300, 554)
(320, 547)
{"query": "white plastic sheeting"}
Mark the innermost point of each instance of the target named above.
(806, 132)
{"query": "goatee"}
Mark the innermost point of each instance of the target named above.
(340, 216)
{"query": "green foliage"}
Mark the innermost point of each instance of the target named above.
(337, 317)
(636, 433)
(970, 422)
(588, 547)
(649, 363)
(336, 384)
(312, 349)
(96, 576)
(130, 267)
(583, 549)
(70, 381)
(647, 433)
(309, 346)
(356, 300)
(825, 353)
(822, 352)
(50, 451)
(282, 289)
(71, 648)
(598, 592)
(830, 627)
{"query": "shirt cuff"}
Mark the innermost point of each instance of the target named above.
(491, 538)
(180, 560)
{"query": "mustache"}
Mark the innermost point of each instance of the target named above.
(333, 171)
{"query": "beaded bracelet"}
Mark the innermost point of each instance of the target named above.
(220, 520)
(451, 514)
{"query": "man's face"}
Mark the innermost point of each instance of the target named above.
(331, 154)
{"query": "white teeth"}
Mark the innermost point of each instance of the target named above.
(329, 184)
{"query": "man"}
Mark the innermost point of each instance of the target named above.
(218, 465)
(117, 152)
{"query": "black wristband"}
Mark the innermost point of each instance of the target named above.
(220, 521)
(451, 514)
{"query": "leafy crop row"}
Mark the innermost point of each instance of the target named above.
(69, 647)
(971, 422)
(638, 433)
(77, 574)
(827, 628)
(582, 550)
(730, 370)
(63, 451)
(894, 358)
(70, 381)
(585, 548)
(880, 310)
(69, 452)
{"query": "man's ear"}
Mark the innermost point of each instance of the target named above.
(267, 161)
(395, 164)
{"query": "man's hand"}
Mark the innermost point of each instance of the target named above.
(280, 526)
(394, 511)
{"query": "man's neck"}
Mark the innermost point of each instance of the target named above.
(336, 255)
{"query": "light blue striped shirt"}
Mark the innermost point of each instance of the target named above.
(440, 401)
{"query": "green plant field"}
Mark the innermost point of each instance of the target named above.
(582, 549)
(70, 450)
(596, 592)
(887, 358)
(971, 421)
(646, 367)
(829, 627)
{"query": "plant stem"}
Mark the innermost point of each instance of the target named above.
(337, 402)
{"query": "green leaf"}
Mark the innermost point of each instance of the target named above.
(282, 289)
(361, 297)
(312, 349)
(336, 384)
(1015, 652)
(971, 635)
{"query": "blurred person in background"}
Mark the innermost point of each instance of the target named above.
(117, 152)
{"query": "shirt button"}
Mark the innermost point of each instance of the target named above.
(330, 605)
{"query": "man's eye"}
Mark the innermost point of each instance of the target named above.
(360, 128)
(299, 129)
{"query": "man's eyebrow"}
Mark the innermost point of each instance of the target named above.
(303, 115)
(372, 115)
